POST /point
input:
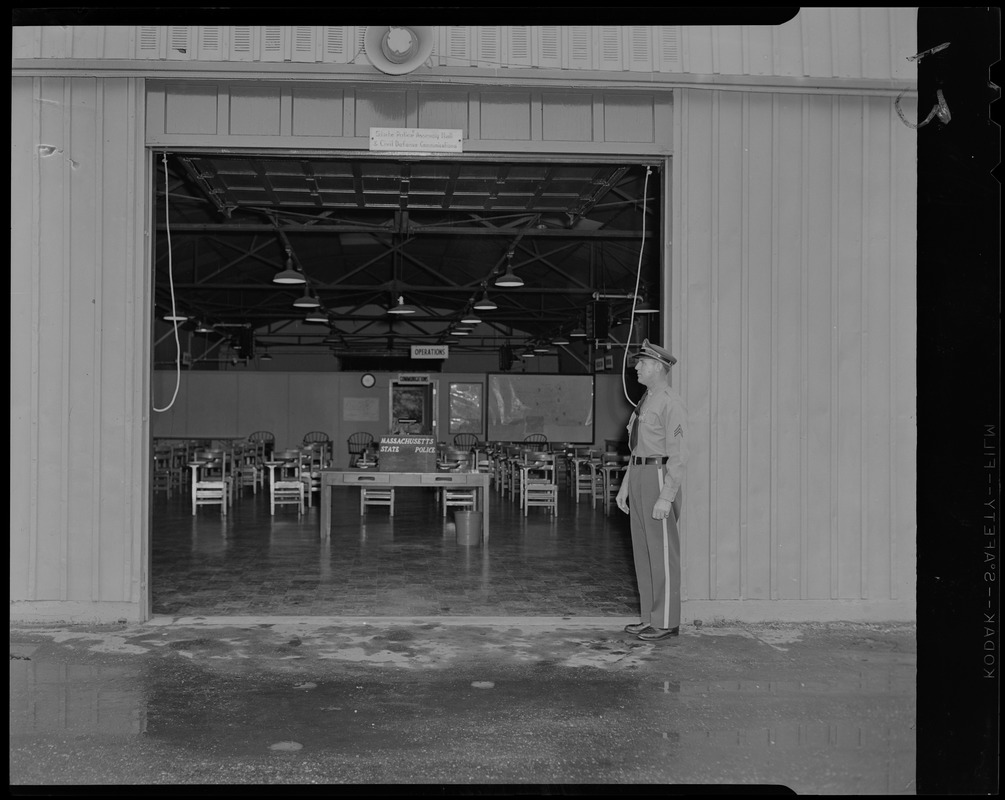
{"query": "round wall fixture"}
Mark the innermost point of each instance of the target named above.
(398, 50)
(367, 380)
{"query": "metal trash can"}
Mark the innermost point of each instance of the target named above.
(469, 527)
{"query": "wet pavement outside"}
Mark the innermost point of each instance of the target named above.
(415, 702)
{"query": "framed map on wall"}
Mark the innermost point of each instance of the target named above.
(559, 406)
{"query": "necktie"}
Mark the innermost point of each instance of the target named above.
(633, 436)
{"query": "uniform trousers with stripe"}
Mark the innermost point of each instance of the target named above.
(656, 548)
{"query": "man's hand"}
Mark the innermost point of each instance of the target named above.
(662, 509)
(622, 498)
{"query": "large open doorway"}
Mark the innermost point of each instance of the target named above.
(583, 239)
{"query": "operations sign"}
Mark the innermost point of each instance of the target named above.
(430, 351)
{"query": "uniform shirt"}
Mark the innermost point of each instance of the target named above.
(662, 431)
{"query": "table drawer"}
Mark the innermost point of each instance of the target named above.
(443, 478)
(365, 477)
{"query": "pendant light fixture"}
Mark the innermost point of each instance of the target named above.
(307, 301)
(402, 307)
(317, 315)
(644, 307)
(174, 317)
(509, 279)
(577, 333)
(265, 354)
(470, 318)
(202, 327)
(484, 304)
(560, 340)
(289, 276)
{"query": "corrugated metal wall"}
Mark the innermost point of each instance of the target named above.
(79, 347)
(794, 315)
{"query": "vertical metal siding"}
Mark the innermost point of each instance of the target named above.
(791, 242)
(859, 43)
(78, 376)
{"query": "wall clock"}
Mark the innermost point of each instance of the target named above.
(367, 380)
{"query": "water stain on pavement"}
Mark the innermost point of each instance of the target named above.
(818, 709)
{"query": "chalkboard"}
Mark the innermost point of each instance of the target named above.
(559, 406)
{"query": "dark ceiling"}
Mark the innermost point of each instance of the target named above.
(437, 233)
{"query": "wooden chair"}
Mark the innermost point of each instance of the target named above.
(265, 441)
(315, 459)
(582, 476)
(613, 466)
(538, 487)
(466, 440)
(163, 479)
(376, 496)
(248, 467)
(286, 484)
(359, 443)
(537, 469)
(212, 480)
(319, 438)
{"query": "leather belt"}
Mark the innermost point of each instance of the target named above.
(650, 460)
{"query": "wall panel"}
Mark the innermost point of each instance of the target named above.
(78, 502)
(787, 347)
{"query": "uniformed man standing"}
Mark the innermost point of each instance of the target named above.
(650, 493)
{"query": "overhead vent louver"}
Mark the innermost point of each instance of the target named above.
(669, 48)
(548, 46)
(179, 42)
(148, 42)
(580, 47)
(518, 45)
(242, 46)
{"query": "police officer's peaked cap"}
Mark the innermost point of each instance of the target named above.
(655, 352)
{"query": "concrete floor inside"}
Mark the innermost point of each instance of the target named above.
(392, 656)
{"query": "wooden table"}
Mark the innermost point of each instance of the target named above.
(362, 477)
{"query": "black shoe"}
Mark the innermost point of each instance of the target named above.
(636, 627)
(655, 634)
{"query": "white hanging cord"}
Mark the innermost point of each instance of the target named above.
(174, 313)
(635, 296)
